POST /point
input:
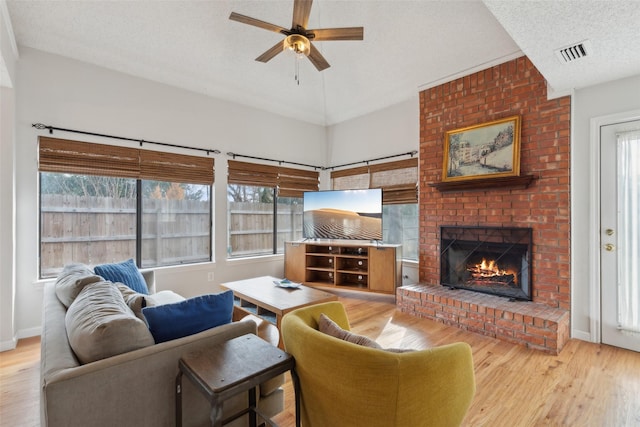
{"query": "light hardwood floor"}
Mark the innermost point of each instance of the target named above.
(586, 385)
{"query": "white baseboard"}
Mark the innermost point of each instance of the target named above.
(581, 335)
(31, 332)
(8, 345)
(23, 333)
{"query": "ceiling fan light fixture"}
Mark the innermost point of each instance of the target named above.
(296, 39)
(298, 43)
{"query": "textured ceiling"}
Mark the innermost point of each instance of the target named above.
(408, 46)
(539, 28)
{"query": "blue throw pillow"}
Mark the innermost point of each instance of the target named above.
(170, 321)
(125, 272)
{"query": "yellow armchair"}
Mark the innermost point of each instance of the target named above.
(344, 384)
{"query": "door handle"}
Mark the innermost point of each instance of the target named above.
(609, 247)
(609, 232)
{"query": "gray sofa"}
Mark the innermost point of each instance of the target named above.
(136, 388)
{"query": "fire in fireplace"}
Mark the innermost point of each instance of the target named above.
(493, 260)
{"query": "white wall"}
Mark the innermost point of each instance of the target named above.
(65, 93)
(8, 48)
(610, 98)
(8, 56)
(390, 131)
(7, 238)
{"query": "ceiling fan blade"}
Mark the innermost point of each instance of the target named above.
(301, 12)
(327, 34)
(268, 55)
(258, 23)
(317, 59)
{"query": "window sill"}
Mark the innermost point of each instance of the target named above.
(197, 266)
(38, 284)
(255, 259)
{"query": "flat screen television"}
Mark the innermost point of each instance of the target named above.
(343, 214)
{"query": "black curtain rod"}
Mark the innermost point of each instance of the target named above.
(140, 141)
(234, 155)
(408, 153)
(41, 126)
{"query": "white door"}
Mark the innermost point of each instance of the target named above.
(620, 234)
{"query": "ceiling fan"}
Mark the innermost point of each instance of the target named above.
(299, 37)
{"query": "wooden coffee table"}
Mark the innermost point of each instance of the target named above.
(265, 295)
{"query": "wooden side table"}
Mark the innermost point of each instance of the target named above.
(230, 368)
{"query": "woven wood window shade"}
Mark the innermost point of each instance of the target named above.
(398, 180)
(399, 195)
(161, 166)
(62, 155)
(66, 156)
(290, 182)
(350, 179)
(294, 182)
(252, 174)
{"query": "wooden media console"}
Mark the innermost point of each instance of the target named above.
(353, 266)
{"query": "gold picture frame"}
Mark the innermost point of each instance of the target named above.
(487, 150)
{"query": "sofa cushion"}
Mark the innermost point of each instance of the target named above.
(188, 317)
(124, 272)
(163, 297)
(329, 327)
(72, 279)
(134, 300)
(100, 324)
(137, 301)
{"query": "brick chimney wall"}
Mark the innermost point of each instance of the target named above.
(513, 88)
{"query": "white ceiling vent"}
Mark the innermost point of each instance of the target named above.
(574, 52)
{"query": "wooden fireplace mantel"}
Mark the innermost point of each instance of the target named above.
(522, 181)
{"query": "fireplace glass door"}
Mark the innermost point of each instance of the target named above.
(493, 260)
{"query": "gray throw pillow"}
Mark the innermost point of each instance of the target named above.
(134, 300)
(329, 327)
(100, 324)
(72, 279)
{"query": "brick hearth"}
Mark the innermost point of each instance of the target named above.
(530, 324)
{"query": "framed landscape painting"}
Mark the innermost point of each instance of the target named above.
(488, 150)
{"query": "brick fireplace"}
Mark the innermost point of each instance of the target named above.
(513, 88)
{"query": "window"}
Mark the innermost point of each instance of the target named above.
(176, 223)
(251, 223)
(264, 207)
(400, 226)
(289, 221)
(105, 212)
(398, 181)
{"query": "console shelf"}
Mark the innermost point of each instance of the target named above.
(353, 266)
